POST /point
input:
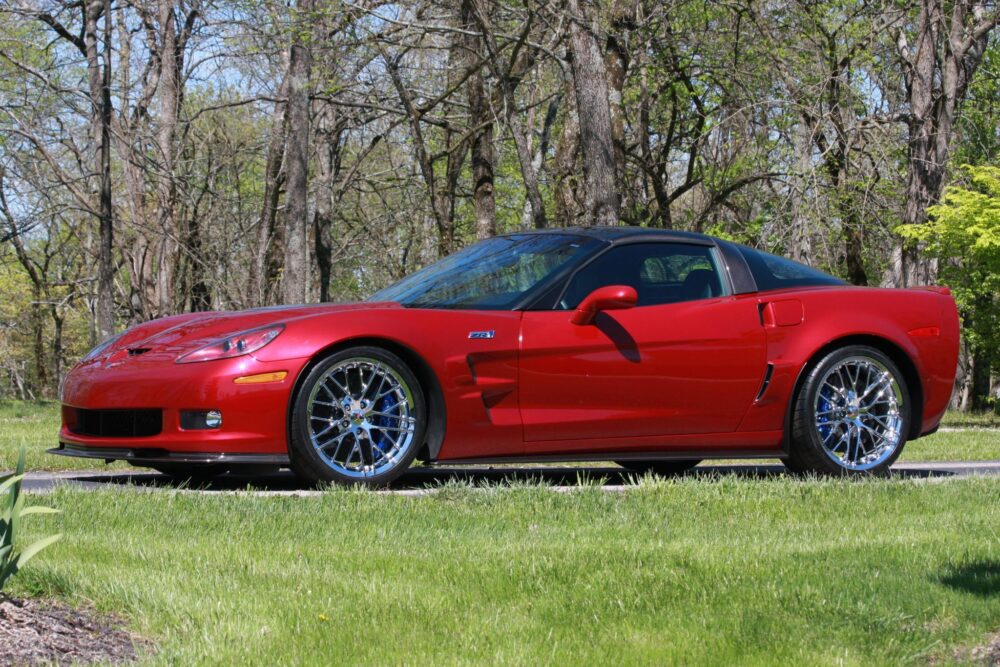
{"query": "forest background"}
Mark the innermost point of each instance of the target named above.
(164, 156)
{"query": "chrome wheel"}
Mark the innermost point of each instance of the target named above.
(858, 413)
(361, 417)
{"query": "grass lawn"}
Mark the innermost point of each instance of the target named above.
(36, 426)
(687, 571)
(692, 571)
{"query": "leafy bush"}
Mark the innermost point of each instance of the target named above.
(12, 511)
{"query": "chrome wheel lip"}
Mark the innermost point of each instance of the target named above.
(345, 418)
(858, 413)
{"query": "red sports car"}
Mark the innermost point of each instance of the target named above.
(654, 349)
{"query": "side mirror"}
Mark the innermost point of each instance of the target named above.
(612, 297)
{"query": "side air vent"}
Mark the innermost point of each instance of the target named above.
(766, 382)
(136, 351)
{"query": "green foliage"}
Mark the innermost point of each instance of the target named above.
(963, 232)
(979, 122)
(12, 512)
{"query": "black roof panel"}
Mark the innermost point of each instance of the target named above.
(613, 234)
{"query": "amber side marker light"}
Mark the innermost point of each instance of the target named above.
(262, 378)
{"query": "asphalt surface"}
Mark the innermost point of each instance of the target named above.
(419, 481)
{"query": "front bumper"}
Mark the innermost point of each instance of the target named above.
(254, 416)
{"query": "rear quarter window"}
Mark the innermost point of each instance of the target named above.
(771, 272)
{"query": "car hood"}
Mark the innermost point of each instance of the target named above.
(170, 337)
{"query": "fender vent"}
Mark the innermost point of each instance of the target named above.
(766, 382)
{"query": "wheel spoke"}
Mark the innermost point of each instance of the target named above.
(408, 429)
(389, 415)
(344, 390)
(863, 393)
(344, 424)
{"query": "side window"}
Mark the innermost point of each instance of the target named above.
(773, 272)
(659, 272)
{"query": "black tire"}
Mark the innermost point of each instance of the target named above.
(305, 458)
(194, 472)
(807, 453)
(662, 468)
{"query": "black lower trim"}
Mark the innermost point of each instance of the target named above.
(625, 456)
(143, 455)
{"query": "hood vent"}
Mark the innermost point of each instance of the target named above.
(136, 351)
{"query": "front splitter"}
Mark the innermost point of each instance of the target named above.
(140, 456)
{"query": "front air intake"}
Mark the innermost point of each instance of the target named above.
(114, 423)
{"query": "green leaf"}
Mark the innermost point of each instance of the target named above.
(10, 481)
(39, 509)
(35, 547)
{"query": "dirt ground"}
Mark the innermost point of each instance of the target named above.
(46, 632)
(988, 654)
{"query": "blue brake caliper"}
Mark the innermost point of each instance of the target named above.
(825, 405)
(386, 405)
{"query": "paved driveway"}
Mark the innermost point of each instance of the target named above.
(423, 480)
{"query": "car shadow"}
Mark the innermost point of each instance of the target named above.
(980, 578)
(430, 477)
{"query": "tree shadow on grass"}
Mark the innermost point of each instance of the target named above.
(980, 578)
(428, 477)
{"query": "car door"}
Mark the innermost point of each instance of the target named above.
(687, 359)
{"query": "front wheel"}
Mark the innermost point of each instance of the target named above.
(851, 415)
(359, 417)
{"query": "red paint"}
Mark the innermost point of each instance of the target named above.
(612, 297)
(677, 377)
(783, 313)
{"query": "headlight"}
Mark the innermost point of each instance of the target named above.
(235, 345)
(108, 342)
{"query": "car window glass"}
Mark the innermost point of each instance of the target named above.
(659, 272)
(493, 274)
(773, 272)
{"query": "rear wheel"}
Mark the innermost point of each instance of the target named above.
(851, 415)
(663, 468)
(358, 418)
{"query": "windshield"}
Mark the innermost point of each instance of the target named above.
(495, 274)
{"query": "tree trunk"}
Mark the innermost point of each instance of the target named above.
(328, 135)
(99, 82)
(264, 269)
(616, 64)
(169, 97)
(569, 208)
(591, 83)
(480, 116)
(295, 278)
(58, 319)
(980, 380)
(38, 341)
(543, 147)
(508, 78)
